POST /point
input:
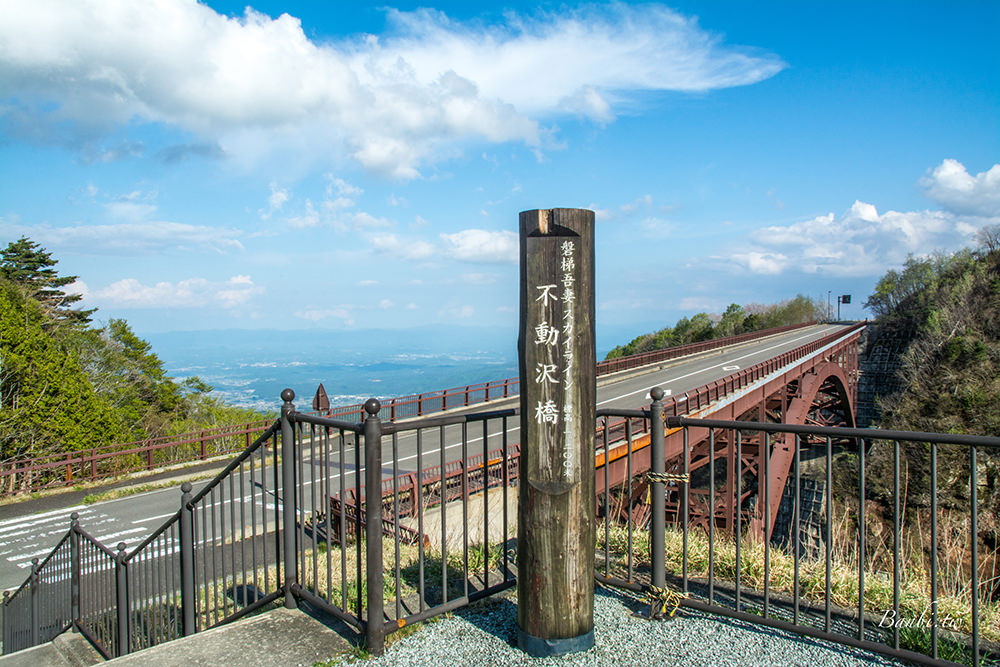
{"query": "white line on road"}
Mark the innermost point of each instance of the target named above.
(708, 368)
(35, 519)
(154, 518)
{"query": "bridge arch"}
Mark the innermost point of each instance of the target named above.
(822, 398)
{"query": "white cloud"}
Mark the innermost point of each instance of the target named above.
(478, 278)
(696, 303)
(950, 185)
(480, 245)
(189, 293)
(861, 242)
(644, 201)
(252, 84)
(391, 245)
(130, 238)
(341, 187)
(385, 304)
(275, 201)
(318, 315)
(309, 217)
(762, 262)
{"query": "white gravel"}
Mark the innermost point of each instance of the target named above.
(485, 635)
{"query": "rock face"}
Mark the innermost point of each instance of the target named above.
(881, 353)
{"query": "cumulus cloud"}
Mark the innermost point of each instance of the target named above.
(481, 246)
(951, 186)
(130, 238)
(390, 244)
(392, 102)
(476, 246)
(189, 293)
(860, 242)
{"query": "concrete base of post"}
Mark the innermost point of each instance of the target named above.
(537, 647)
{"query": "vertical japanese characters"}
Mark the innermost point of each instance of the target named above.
(553, 339)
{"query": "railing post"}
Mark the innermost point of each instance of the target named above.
(658, 524)
(188, 592)
(204, 448)
(374, 630)
(288, 497)
(6, 621)
(74, 568)
(34, 601)
(121, 597)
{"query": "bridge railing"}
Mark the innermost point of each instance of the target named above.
(865, 550)
(705, 395)
(37, 473)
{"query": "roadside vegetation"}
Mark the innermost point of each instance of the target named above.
(736, 320)
(67, 384)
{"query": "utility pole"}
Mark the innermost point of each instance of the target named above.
(557, 355)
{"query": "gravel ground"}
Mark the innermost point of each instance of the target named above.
(486, 635)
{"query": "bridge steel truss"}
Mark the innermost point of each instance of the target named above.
(814, 385)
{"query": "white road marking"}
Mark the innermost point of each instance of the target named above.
(708, 368)
(154, 518)
(34, 519)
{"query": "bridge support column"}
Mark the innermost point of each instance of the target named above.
(555, 581)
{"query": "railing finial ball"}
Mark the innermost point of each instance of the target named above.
(656, 393)
(186, 487)
(121, 547)
(75, 516)
(372, 406)
(287, 395)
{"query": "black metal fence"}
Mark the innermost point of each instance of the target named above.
(874, 544)
(386, 524)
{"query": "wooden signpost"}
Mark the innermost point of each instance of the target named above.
(556, 349)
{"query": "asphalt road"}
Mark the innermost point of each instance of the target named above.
(25, 534)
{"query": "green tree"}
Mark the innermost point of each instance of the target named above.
(26, 263)
(731, 322)
(46, 401)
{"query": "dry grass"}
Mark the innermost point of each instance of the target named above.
(954, 586)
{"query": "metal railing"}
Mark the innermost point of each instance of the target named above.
(872, 568)
(705, 395)
(67, 468)
(290, 519)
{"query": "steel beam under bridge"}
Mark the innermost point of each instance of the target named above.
(814, 384)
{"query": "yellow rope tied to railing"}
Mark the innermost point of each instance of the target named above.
(666, 477)
(662, 599)
(663, 602)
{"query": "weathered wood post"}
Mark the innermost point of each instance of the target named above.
(555, 561)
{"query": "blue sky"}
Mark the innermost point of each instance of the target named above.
(335, 165)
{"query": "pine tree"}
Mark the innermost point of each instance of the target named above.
(26, 263)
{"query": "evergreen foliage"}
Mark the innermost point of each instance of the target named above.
(26, 263)
(66, 386)
(46, 400)
(734, 321)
